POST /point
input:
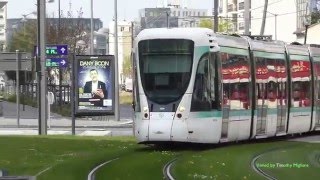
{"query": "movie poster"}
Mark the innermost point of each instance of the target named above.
(94, 87)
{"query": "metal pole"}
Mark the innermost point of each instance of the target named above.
(167, 13)
(215, 11)
(275, 26)
(246, 17)
(24, 89)
(60, 69)
(91, 37)
(116, 86)
(18, 87)
(43, 78)
(306, 34)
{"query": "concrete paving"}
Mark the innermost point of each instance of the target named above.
(28, 122)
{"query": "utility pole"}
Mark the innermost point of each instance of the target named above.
(18, 61)
(43, 111)
(246, 17)
(116, 83)
(265, 8)
(168, 20)
(91, 33)
(307, 22)
(215, 11)
(60, 68)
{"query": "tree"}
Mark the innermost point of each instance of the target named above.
(315, 17)
(223, 24)
(127, 67)
(26, 38)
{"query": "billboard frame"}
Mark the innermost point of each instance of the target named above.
(92, 112)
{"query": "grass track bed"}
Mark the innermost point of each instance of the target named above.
(68, 157)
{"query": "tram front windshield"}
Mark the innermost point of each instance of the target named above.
(165, 68)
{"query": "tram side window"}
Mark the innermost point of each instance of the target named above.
(235, 78)
(317, 84)
(136, 101)
(201, 98)
(215, 86)
(301, 83)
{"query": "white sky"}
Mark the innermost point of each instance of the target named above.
(103, 9)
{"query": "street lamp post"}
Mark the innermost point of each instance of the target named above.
(116, 83)
(91, 33)
(42, 77)
(306, 24)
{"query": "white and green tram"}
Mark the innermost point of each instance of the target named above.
(192, 85)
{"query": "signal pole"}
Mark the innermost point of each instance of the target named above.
(215, 11)
(246, 17)
(43, 111)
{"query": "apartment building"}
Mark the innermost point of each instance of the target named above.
(124, 44)
(3, 25)
(283, 20)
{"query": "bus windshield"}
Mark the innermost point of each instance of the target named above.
(165, 68)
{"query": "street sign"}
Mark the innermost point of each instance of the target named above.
(55, 50)
(56, 62)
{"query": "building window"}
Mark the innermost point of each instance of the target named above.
(241, 26)
(241, 5)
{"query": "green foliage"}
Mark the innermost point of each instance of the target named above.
(315, 17)
(208, 23)
(126, 98)
(127, 67)
(23, 100)
(26, 38)
(64, 110)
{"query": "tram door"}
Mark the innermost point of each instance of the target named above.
(317, 92)
(271, 95)
(281, 88)
(261, 108)
(236, 109)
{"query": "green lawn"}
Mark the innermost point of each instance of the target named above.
(66, 157)
(301, 160)
(69, 157)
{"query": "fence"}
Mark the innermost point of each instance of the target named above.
(30, 90)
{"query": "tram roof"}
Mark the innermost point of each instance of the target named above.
(298, 50)
(267, 46)
(198, 35)
(315, 51)
(232, 41)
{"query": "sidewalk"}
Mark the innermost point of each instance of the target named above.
(57, 124)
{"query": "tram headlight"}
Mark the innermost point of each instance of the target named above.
(145, 109)
(181, 109)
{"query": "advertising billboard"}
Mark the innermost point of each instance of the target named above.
(94, 85)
